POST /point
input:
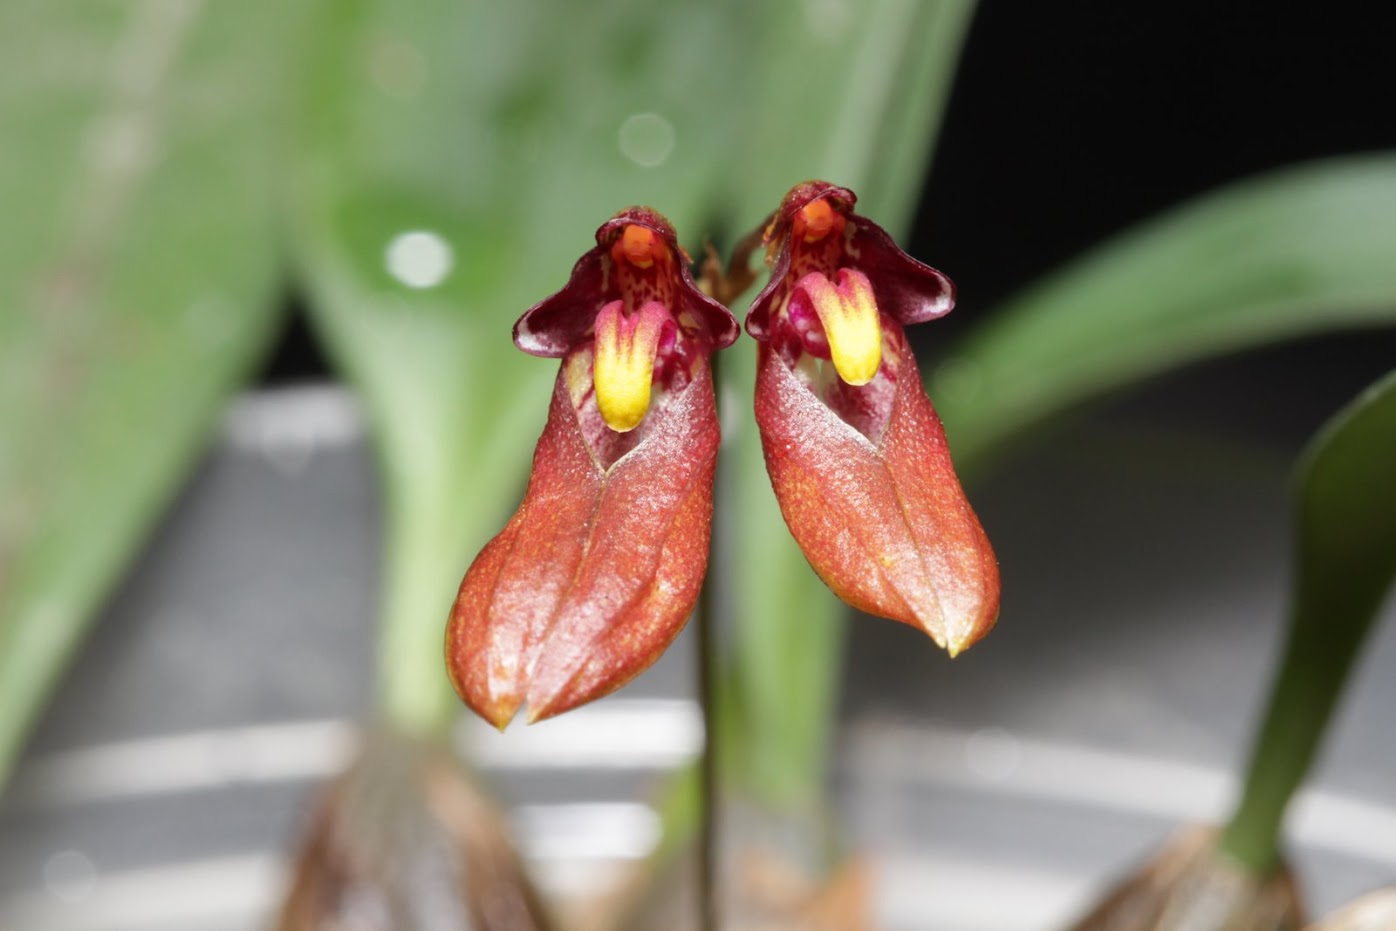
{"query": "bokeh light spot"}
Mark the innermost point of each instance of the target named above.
(419, 259)
(647, 139)
(70, 876)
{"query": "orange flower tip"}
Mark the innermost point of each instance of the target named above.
(936, 636)
(498, 711)
(623, 364)
(815, 220)
(963, 636)
(536, 714)
(638, 245)
(849, 315)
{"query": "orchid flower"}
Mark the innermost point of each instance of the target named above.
(854, 448)
(600, 567)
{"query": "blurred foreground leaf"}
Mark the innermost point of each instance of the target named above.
(1299, 251)
(137, 281)
(1345, 559)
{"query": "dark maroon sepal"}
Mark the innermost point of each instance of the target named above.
(907, 290)
(557, 324)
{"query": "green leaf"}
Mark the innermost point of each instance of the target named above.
(1302, 250)
(1345, 558)
(138, 276)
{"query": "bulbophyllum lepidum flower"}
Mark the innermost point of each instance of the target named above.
(601, 565)
(854, 448)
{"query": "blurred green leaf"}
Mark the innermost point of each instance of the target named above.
(1297, 251)
(506, 133)
(787, 628)
(137, 277)
(1345, 558)
(851, 93)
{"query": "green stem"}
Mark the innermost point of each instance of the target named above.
(445, 498)
(708, 841)
(1318, 658)
(423, 566)
(785, 658)
(1345, 558)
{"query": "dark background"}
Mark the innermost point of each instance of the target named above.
(1071, 122)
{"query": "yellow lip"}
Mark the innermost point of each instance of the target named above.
(623, 367)
(848, 312)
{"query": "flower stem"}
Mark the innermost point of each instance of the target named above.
(423, 561)
(709, 665)
(708, 831)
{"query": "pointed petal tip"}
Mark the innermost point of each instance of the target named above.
(545, 707)
(497, 711)
(967, 635)
(953, 642)
(559, 693)
(953, 632)
(500, 720)
(955, 645)
(934, 632)
(956, 642)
